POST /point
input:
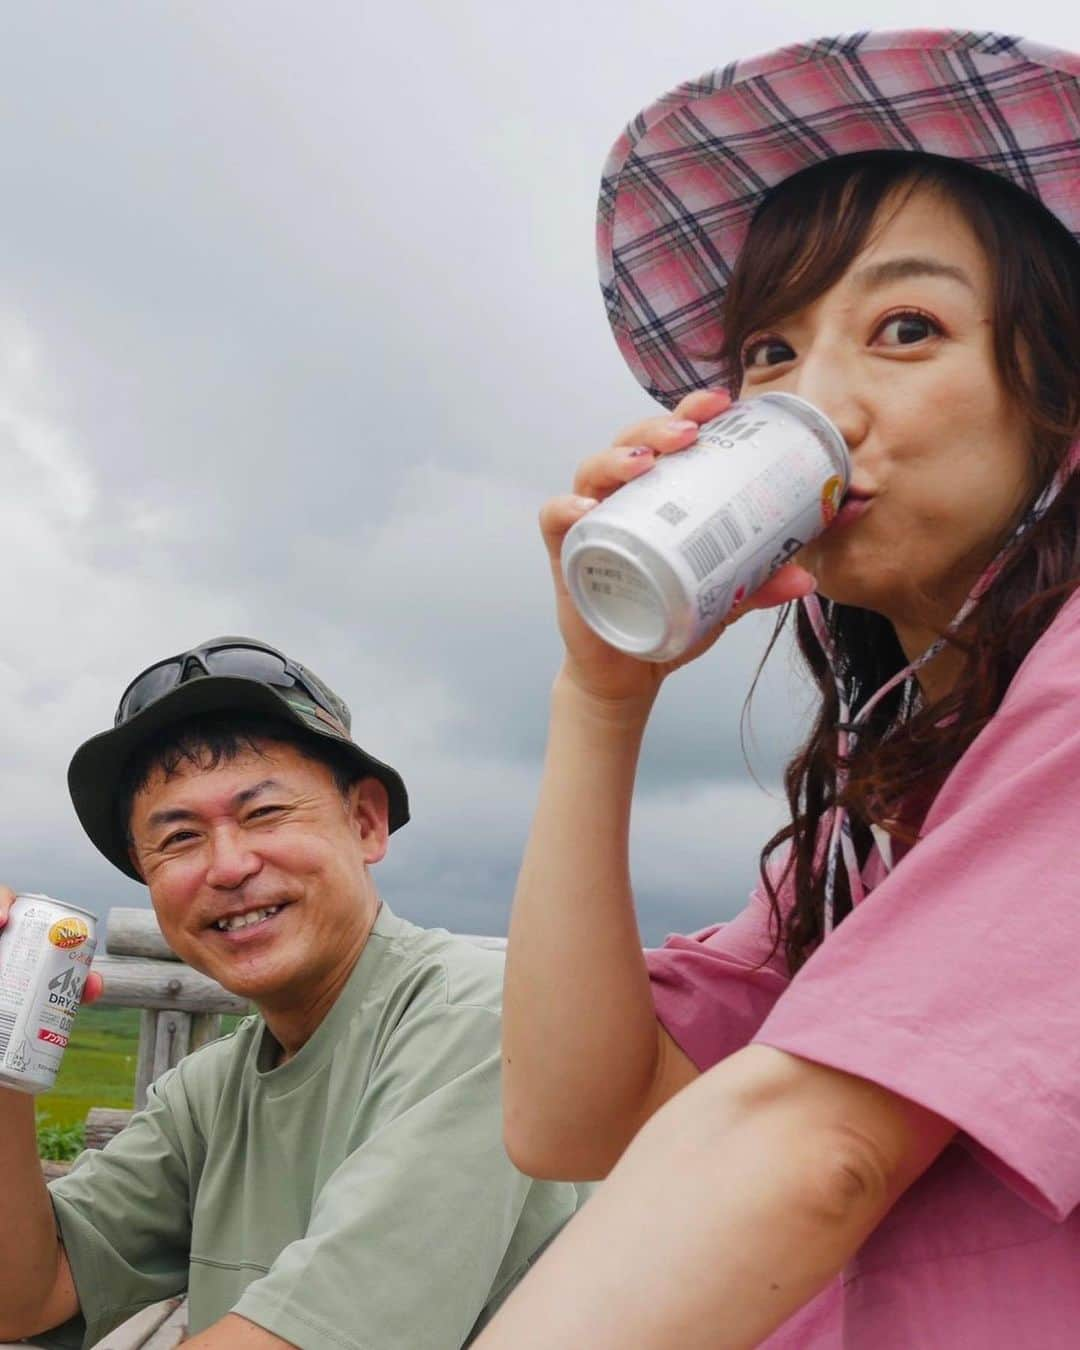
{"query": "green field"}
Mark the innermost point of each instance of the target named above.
(98, 1067)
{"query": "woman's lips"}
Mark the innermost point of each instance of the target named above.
(855, 506)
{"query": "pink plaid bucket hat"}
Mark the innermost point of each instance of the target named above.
(682, 183)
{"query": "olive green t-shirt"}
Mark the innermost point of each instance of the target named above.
(357, 1196)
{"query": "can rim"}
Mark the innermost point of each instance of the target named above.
(60, 904)
(603, 628)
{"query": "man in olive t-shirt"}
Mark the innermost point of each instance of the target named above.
(331, 1174)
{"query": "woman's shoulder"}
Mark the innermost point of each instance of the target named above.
(1049, 669)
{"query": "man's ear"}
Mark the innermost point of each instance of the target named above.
(369, 808)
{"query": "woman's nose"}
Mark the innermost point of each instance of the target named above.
(827, 383)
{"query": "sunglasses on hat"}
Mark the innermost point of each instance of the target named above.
(238, 659)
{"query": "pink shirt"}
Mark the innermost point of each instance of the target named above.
(956, 984)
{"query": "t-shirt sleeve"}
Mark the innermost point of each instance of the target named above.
(124, 1214)
(412, 1235)
(713, 989)
(955, 983)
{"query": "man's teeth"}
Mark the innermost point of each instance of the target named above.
(235, 921)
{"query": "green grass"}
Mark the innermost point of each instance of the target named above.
(98, 1068)
(60, 1143)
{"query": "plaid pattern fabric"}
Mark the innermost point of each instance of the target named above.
(683, 181)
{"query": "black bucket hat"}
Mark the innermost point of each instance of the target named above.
(226, 674)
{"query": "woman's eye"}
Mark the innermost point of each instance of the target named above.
(904, 330)
(763, 352)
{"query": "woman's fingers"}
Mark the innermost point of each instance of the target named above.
(602, 473)
(556, 518)
(634, 450)
(703, 405)
(7, 899)
(791, 582)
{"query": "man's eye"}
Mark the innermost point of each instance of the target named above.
(760, 353)
(177, 837)
(904, 330)
(261, 812)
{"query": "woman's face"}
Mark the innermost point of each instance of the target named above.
(899, 353)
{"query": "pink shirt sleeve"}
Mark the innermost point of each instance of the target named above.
(957, 982)
(714, 989)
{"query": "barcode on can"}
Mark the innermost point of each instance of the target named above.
(7, 1026)
(711, 545)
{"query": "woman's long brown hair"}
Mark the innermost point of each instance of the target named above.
(801, 242)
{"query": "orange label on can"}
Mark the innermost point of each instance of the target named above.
(69, 932)
(830, 498)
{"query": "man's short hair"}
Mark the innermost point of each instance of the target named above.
(208, 741)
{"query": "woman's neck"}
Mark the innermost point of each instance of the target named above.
(938, 676)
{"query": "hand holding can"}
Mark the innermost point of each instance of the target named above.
(593, 665)
(663, 562)
(46, 950)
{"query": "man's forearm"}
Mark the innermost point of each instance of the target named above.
(30, 1254)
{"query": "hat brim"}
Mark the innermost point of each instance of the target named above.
(98, 765)
(682, 183)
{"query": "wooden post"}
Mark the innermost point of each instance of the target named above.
(144, 1064)
(171, 1040)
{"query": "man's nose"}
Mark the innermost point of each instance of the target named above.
(232, 860)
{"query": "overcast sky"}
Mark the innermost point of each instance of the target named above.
(299, 325)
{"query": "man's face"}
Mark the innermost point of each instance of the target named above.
(257, 870)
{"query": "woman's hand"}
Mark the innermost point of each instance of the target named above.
(592, 664)
(94, 984)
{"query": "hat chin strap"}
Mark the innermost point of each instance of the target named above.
(841, 841)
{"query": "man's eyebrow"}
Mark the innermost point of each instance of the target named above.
(173, 814)
(912, 265)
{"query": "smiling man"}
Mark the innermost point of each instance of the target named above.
(332, 1174)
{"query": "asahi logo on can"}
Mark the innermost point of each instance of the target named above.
(45, 956)
(69, 932)
(663, 560)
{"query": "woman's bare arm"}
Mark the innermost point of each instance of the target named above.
(585, 1060)
(732, 1208)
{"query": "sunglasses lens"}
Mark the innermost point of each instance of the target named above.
(248, 663)
(149, 686)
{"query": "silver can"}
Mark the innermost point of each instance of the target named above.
(663, 560)
(45, 955)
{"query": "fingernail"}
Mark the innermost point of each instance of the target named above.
(681, 425)
(585, 503)
(639, 452)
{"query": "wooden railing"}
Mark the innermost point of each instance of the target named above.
(181, 1009)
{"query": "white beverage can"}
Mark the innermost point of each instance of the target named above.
(662, 561)
(45, 955)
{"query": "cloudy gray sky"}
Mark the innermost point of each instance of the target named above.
(299, 325)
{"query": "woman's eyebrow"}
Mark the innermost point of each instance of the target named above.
(912, 265)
